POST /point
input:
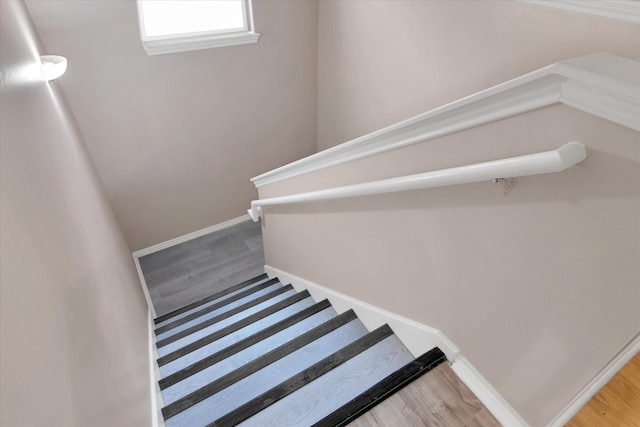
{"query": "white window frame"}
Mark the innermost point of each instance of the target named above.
(623, 10)
(172, 43)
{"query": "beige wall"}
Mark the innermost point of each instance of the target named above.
(380, 62)
(539, 289)
(73, 327)
(175, 138)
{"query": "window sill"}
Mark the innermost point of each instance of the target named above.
(159, 46)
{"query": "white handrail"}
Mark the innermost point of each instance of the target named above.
(531, 164)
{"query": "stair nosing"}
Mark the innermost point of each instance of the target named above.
(191, 347)
(207, 299)
(298, 381)
(242, 344)
(383, 389)
(254, 366)
(186, 332)
(216, 306)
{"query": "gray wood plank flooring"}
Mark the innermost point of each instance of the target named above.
(213, 372)
(438, 398)
(187, 272)
(208, 410)
(226, 341)
(310, 404)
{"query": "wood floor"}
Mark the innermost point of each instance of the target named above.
(187, 272)
(437, 398)
(617, 404)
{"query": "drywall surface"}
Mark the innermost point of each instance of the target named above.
(176, 137)
(539, 288)
(526, 284)
(73, 320)
(380, 62)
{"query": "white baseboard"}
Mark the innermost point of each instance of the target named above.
(623, 10)
(418, 338)
(157, 420)
(489, 396)
(143, 282)
(599, 381)
(194, 235)
(178, 240)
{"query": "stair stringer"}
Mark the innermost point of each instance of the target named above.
(157, 402)
(418, 338)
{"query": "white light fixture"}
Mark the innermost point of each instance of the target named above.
(53, 66)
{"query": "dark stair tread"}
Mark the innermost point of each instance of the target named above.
(242, 345)
(216, 306)
(232, 328)
(258, 382)
(225, 315)
(330, 391)
(205, 300)
(217, 345)
(259, 363)
(209, 298)
(383, 389)
(294, 383)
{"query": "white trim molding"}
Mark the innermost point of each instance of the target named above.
(484, 391)
(176, 241)
(601, 84)
(418, 338)
(145, 289)
(184, 42)
(190, 236)
(197, 42)
(622, 10)
(157, 402)
(599, 381)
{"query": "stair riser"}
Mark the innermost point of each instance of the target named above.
(214, 372)
(243, 344)
(265, 361)
(303, 378)
(169, 317)
(242, 391)
(227, 318)
(211, 314)
(330, 391)
(231, 329)
(218, 345)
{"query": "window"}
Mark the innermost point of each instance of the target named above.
(168, 26)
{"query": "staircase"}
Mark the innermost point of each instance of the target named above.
(261, 354)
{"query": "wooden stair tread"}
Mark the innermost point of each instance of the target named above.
(245, 343)
(438, 398)
(383, 389)
(204, 300)
(267, 371)
(209, 314)
(217, 305)
(200, 335)
(301, 379)
(226, 365)
(236, 332)
(328, 392)
(244, 309)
